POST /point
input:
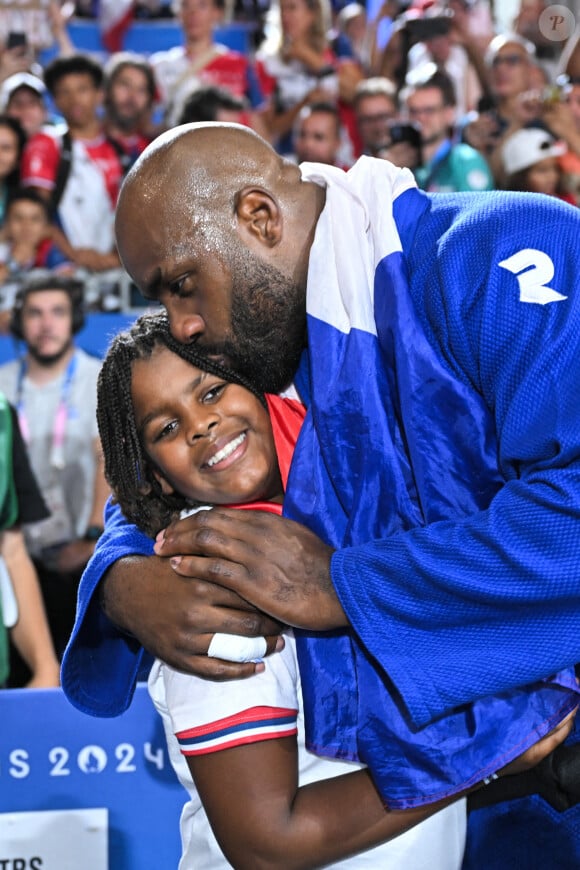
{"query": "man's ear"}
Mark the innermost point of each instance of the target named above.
(259, 215)
(166, 487)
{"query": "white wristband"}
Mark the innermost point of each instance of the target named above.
(233, 648)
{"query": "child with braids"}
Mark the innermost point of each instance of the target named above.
(179, 430)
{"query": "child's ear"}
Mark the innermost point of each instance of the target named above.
(166, 487)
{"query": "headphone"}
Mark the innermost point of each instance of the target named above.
(73, 288)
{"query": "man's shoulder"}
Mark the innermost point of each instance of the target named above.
(166, 56)
(461, 152)
(87, 363)
(50, 135)
(9, 371)
(10, 367)
(470, 167)
(488, 225)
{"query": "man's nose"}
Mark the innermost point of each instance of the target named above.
(187, 328)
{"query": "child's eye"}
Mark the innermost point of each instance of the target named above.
(165, 431)
(213, 393)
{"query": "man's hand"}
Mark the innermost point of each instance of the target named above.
(176, 617)
(276, 564)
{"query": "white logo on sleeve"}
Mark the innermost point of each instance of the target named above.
(533, 270)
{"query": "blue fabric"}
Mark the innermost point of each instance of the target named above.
(101, 664)
(524, 833)
(457, 610)
(395, 441)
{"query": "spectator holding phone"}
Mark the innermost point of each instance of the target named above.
(297, 66)
(16, 55)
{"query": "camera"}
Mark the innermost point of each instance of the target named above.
(428, 26)
(405, 133)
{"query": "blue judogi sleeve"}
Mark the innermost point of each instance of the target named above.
(455, 610)
(101, 664)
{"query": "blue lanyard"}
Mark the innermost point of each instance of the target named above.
(61, 416)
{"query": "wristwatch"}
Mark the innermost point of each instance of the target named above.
(93, 533)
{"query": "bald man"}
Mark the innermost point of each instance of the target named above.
(431, 512)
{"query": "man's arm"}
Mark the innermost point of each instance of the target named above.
(142, 597)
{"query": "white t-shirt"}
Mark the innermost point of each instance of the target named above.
(68, 491)
(189, 705)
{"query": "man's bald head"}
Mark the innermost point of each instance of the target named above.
(209, 161)
(215, 225)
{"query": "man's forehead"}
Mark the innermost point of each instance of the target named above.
(56, 296)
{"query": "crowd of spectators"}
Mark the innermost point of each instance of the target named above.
(437, 87)
(434, 86)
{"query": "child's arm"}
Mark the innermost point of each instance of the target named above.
(262, 819)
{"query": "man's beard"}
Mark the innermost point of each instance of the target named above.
(268, 316)
(47, 360)
(126, 121)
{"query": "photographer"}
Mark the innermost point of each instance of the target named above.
(404, 146)
(429, 100)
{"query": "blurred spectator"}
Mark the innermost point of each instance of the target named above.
(78, 170)
(509, 59)
(12, 141)
(389, 55)
(129, 96)
(297, 66)
(317, 134)
(375, 106)
(27, 244)
(530, 163)
(475, 18)
(27, 29)
(22, 96)
(353, 36)
(570, 161)
(211, 103)
(22, 610)
(447, 166)
(527, 24)
(570, 57)
(441, 35)
(201, 60)
(53, 387)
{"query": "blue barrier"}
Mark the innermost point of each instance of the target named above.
(52, 757)
(150, 36)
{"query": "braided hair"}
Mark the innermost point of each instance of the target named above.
(128, 469)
